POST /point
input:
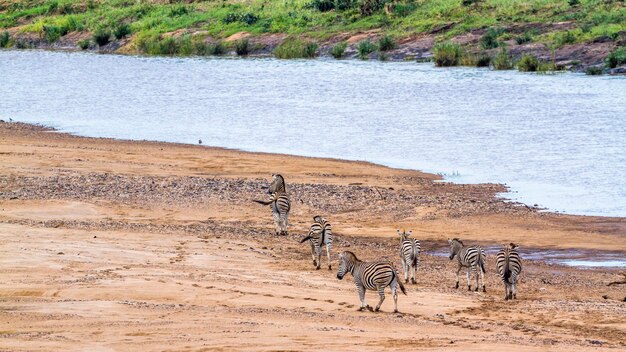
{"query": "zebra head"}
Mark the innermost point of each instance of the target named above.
(455, 247)
(347, 260)
(317, 218)
(277, 185)
(404, 235)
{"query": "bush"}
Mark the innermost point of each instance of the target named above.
(368, 7)
(447, 54)
(83, 44)
(593, 71)
(179, 10)
(386, 43)
(230, 18)
(382, 56)
(524, 38)
(490, 39)
(122, 31)
(4, 39)
(616, 58)
(364, 48)
(338, 50)
(502, 61)
(52, 33)
(528, 63)
(242, 47)
(321, 5)
(249, 19)
(185, 45)
(295, 49)
(567, 37)
(483, 61)
(101, 36)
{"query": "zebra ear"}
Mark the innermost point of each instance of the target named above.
(449, 240)
(398, 232)
(410, 232)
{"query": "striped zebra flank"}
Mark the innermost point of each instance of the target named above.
(473, 258)
(319, 235)
(409, 255)
(279, 203)
(374, 276)
(509, 266)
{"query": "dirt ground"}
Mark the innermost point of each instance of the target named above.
(117, 245)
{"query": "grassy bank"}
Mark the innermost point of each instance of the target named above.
(179, 27)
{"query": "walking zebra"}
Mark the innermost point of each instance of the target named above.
(472, 258)
(371, 276)
(509, 265)
(279, 202)
(409, 254)
(320, 234)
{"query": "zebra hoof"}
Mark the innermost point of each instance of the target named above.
(377, 309)
(484, 289)
(317, 268)
(395, 311)
(476, 290)
(469, 288)
(457, 285)
(406, 281)
(330, 267)
(314, 263)
(413, 282)
(370, 308)
(360, 309)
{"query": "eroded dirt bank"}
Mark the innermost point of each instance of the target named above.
(116, 245)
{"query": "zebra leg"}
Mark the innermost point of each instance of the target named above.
(362, 298)
(469, 271)
(457, 276)
(514, 290)
(318, 251)
(405, 266)
(394, 293)
(276, 216)
(482, 280)
(413, 281)
(506, 291)
(328, 256)
(381, 293)
(478, 276)
(313, 253)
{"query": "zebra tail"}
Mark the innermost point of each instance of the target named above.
(263, 202)
(305, 239)
(401, 285)
(481, 262)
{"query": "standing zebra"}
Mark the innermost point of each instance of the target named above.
(472, 258)
(409, 254)
(320, 234)
(509, 265)
(373, 276)
(279, 202)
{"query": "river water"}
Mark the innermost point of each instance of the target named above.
(558, 141)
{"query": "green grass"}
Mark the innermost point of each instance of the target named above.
(319, 20)
(447, 54)
(386, 43)
(338, 50)
(365, 47)
(615, 58)
(502, 61)
(295, 49)
(242, 47)
(4, 39)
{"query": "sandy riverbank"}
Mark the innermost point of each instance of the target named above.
(120, 245)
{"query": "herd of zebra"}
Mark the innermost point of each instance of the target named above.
(378, 275)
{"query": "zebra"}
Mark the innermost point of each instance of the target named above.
(472, 258)
(371, 276)
(279, 202)
(320, 234)
(409, 254)
(509, 266)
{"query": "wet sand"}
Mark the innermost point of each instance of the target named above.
(118, 245)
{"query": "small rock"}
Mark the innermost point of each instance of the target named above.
(60, 253)
(605, 296)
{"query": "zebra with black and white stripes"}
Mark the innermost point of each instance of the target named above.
(472, 258)
(375, 276)
(279, 202)
(319, 235)
(409, 254)
(509, 266)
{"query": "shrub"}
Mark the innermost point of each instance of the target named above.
(593, 70)
(321, 5)
(490, 39)
(52, 33)
(386, 43)
(83, 44)
(179, 10)
(563, 38)
(524, 38)
(483, 61)
(249, 19)
(502, 61)
(368, 7)
(122, 31)
(616, 58)
(4, 39)
(342, 5)
(382, 56)
(230, 18)
(528, 63)
(403, 10)
(364, 48)
(295, 49)
(101, 36)
(573, 3)
(338, 50)
(447, 54)
(242, 47)
(185, 45)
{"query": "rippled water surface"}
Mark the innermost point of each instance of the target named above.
(556, 140)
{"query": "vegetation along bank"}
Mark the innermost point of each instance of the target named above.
(528, 35)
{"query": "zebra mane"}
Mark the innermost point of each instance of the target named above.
(352, 256)
(278, 180)
(458, 240)
(513, 245)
